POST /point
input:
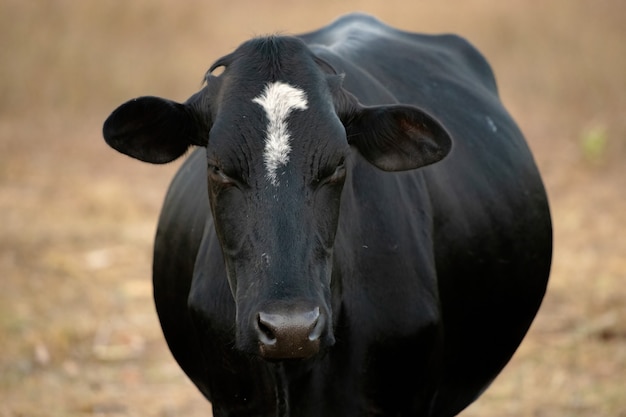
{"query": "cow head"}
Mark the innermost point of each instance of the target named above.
(278, 129)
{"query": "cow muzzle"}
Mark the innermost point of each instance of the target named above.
(289, 331)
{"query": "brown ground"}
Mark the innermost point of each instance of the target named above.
(78, 331)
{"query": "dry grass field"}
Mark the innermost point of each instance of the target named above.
(78, 331)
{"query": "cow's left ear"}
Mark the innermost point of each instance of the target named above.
(397, 137)
(154, 129)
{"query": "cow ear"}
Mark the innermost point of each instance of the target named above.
(153, 129)
(397, 137)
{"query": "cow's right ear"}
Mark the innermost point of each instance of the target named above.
(153, 129)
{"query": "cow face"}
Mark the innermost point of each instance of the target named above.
(278, 130)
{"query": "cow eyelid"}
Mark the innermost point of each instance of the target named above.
(219, 175)
(332, 174)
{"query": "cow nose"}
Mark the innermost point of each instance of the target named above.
(289, 333)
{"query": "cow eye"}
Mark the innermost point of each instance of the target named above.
(217, 175)
(334, 175)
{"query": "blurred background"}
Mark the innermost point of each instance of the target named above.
(78, 332)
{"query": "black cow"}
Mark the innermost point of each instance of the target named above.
(363, 232)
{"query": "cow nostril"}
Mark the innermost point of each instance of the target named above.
(266, 334)
(290, 333)
(317, 327)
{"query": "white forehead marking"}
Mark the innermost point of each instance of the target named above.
(278, 100)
